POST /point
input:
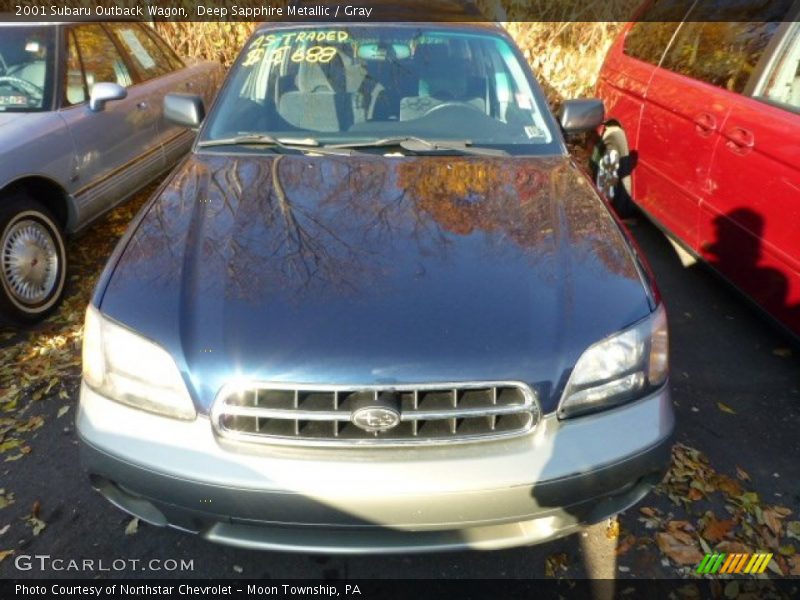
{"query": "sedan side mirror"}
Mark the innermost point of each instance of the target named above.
(185, 110)
(580, 116)
(105, 92)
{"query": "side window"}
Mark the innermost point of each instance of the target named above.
(649, 37)
(147, 57)
(722, 54)
(783, 86)
(175, 63)
(75, 83)
(102, 61)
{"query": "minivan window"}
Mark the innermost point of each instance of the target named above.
(722, 54)
(783, 87)
(649, 37)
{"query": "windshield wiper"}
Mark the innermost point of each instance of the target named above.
(258, 139)
(418, 144)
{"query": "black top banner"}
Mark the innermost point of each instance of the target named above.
(400, 10)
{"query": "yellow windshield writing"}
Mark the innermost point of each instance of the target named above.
(278, 45)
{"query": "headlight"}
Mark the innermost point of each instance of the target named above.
(127, 368)
(619, 368)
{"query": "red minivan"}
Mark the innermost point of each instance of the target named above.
(703, 135)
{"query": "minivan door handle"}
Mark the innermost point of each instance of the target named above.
(705, 124)
(740, 139)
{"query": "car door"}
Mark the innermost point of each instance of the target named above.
(164, 73)
(117, 148)
(750, 221)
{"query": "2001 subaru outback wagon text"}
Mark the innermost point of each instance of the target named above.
(378, 308)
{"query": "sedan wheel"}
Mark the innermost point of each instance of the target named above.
(32, 261)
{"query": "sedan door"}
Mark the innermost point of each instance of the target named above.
(117, 148)
(164, 73)
(750, 224)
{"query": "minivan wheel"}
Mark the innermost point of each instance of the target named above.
(611, 164)
(33, 262)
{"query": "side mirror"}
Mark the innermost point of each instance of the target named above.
(105, 92)
(579, 116)
(185, 110)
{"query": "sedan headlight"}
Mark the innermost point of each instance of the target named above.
(620, 368)
(127, 368)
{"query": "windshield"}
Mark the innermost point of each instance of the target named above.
(357, 84)
(26, 65)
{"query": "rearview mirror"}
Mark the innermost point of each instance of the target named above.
(105, 92)
(579, 116)
(185, 110)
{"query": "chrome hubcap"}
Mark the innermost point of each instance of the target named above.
(608, 172)
(29, 261)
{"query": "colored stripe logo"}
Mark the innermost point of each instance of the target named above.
(719, 562)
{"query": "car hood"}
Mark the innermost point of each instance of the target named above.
(375, 270)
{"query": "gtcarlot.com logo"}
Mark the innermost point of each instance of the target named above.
(45, 562)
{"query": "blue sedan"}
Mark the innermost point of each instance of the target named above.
(81, 130)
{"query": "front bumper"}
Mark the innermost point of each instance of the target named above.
(483, 495)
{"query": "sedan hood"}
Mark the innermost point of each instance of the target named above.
(375, 270)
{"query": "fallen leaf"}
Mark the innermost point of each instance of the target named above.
(715, 530)
(782, 511)
(4, 554)
(742, 474)
(732, 590)
(731, 547)
(626, 544)
(32, 424)
(772, 519)
(788, 550)
(794, 565)
(238, 569)
(62, 411)
(9, 444)
(773, 566)
(37, 506)
(4, 529)
(612, 529)
(6, 499)
(782, 352)
(132, 526)
(679, 551)
(36, 524)
(554, 564)
(793, 529)
(727, 485)
(725, 408)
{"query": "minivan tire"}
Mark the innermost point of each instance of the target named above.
(611, 167)
(33, 260)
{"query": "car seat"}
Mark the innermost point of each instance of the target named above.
(321, 102)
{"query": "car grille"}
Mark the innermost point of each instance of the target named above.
(316, 415)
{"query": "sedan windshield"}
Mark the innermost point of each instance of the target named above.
(358, 85)
(26, 65)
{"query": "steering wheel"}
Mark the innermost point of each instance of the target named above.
(23, 85)
(450, 104)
